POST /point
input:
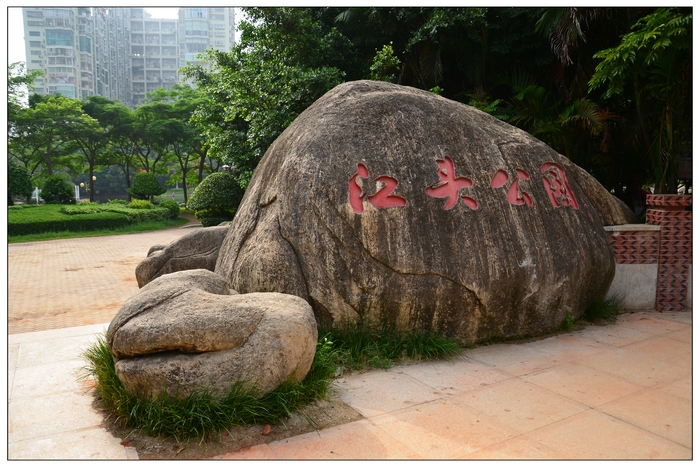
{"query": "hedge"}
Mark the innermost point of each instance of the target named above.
(79, 218)
(82, 223)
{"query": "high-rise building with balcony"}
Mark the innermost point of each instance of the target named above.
(119, 53)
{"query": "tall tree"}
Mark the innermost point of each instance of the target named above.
(282, 64)
(651, 68)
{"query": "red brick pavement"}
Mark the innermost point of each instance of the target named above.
(75, 282)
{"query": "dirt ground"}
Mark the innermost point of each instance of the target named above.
(316, 416)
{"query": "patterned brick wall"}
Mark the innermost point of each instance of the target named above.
(635, 247)
(675, 249)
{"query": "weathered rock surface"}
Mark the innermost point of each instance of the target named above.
(196, 250)
(401, 208)
(187, 331)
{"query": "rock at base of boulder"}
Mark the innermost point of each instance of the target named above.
(186, 332)
(196, 250)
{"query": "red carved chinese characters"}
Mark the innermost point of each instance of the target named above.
(556, 185)
(448, 185)
(382, 199)
(515, 195)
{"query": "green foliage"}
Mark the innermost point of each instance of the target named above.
(216, 199)
(359, 347)
(602, 309)
(172, 207)
(140, 204)
(57, 190)
(201, 413)
(286, 59)
(651, 72)
(145, 186)
(385, 65)
(146, 226)
(49, 218)
(18, 181)
(118, 201)
(81, 218)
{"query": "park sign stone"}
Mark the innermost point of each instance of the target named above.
(397, 208)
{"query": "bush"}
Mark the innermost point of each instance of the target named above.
(171, 206)
(145, 186)
(140, 204)
(57, 190)
(216, 199)
(18, 182)
(118, 201)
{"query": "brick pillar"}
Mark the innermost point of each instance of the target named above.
(675, 248)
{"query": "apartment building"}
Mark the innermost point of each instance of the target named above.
(119, 53)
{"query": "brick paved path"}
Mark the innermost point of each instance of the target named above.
(75, 282)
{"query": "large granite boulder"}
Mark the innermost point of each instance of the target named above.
(400, 208)
(186, 331)
(196, 250)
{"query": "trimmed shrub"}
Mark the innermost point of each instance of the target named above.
(118, 201)
(57, 190)
(171, 206)
(51, 219)
(18, 182)
(216, 198)
(140, 204)
(145, 186)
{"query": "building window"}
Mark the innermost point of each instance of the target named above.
(35, 23)
(35, 52)
(85, 44)
(35, 14)
(59, 37)
(34, 43)
(34, 33)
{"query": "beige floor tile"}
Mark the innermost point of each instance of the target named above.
(38, 417)
(12, 356)
(47, 379)
(595, 435)
(644, 370)
(648, 322)
(664, 348)
(655, 411)
(514, 359)
(94, 443)
(518, 405)
(520, 447)
(582, 384)
(54, 350)
(682, 388)
(261, 451)
(356, 440)
(442, 430)
(568, 347)
(678, 316)
(454, 377)
(613, 335)
(379, 392)
(685, 335)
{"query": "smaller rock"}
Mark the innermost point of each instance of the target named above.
(196, 250)
(186, 332)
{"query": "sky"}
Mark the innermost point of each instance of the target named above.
(15, 30)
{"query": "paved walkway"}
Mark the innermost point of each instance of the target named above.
(613, 392)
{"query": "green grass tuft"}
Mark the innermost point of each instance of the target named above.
(602, 309)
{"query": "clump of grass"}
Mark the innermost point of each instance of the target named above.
(359, 347)
(201, 413)
(602, 308)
